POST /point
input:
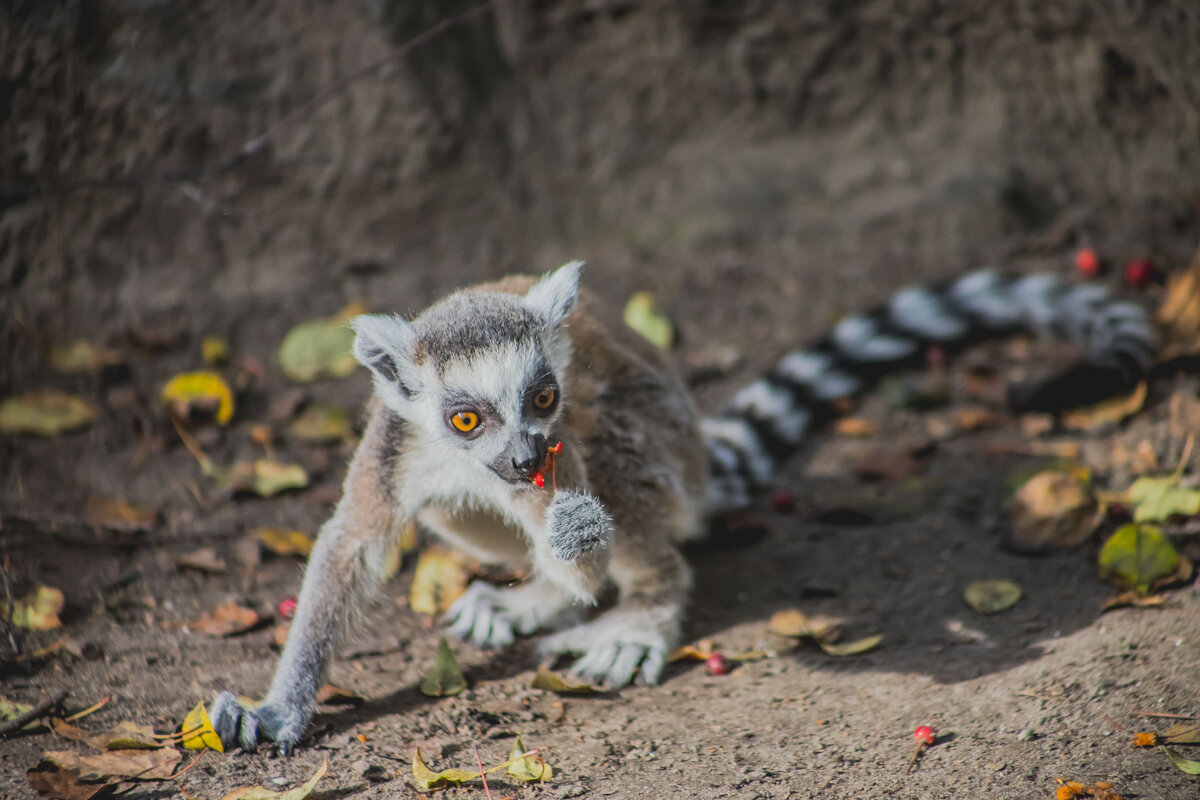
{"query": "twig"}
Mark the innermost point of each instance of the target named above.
(482, 774)
(1165, 716)
(37, 712)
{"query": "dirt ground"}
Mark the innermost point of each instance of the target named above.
(761, 168)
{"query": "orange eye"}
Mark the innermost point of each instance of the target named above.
(544, 399)
(465, 421)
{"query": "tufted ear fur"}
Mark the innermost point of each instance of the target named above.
(384, 344)
(554, 296)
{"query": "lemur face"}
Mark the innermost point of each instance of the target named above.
(480, 371)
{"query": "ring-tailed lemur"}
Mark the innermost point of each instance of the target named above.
(470, 393)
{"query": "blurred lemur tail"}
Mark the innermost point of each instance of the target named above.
(766, 420)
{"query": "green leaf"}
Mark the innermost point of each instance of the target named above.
(850, 648)
(321, 424)
(446, 678)
(643, 317)
(1137, 555)
(36, 611)
(428, 779)
(46, 413)
(320, 347)
(527, 767)
(1158, 499)
(1188, 766)
(264, 477)
(992, 597)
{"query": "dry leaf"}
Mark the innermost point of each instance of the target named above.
(1180, 311)
(527, 768)
(45, 413)
(552, 682)
(887, 462)
(329, 694)
(36, 611)
(642, 315)
(1145, 739)
(198, 732)
(202, 392)
(229, 620)
(1053, 509)
(992, 597)
(136, 764)
(285, 542)
(320, 348)
(82, 356)
(1107, 412)
(1132, 598)
(855, 426)
(795, 623)
(428, 779)
(265, 478)
(57, 783)
(850, 648)
(446, 678)
(299, 793)
(440, 578)
(205, 560)
(279, 634)
(118, 514)
(1182, 733)
(321, 424)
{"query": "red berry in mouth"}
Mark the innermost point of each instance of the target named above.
(287, 607)
(718, 664)
(924, 735)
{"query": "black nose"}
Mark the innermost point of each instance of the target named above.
(532, 457)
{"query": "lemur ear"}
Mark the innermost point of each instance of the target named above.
(384, 344)
(554, 295)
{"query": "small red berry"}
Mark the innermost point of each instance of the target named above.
(1087, 262)
(924, 735)
(1139, 273)
(287, 607)
(718, 664)
(783, 502)
(540, 480)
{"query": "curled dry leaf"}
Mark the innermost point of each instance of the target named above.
(285, 542)
(643, 316)
(1053, 509)
(320, 348)
(440, 578)
(1108, 412)
(229, 620)
(147, 765)
(36, 611)
(198, 732)
(203, 393)
(446, 678)
(553, 682)
(118, 514)
(45, 413)
(299, 793)
(991, 597)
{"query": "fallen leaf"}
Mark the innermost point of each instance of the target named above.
(299, 793)
(10, 710)
(850, 648)
(285, 542)
(229, 620)
(320, 348)
(320, 424)
(198, 732)
(1182, 733)
(642, 315)
(204, 560)
(795, 623)
(1158, 499)
(1107, 412)
(45, 413)
(528, 768)
(204, 392)
(118, 514)
(265, 478)
(1053, 509)
(428, 779)
(1184, 414)
(57, 783)
(1180, 311)
(1132, 598)
(279, 634)
(136, 764)
(214, 350)
(36, 611)
(553, 682)
(332, 695)
(691, 652)
(1145, 739)
(446, 678)
(855, 426)
(440, 578)
(887, 462)
(1138, 555)
(1190, 767)
(992, 597)
(82, 356)
(125, 735)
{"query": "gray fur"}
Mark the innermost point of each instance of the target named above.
(577, 524)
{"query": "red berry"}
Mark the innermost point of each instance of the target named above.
(1087, 262)
(540, 480)
(1139, 273)
(718, 664)
(924, 735)
(783, 502)
(287, 607)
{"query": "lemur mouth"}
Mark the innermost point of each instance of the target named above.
(518, 481)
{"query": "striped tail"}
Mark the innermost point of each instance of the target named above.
(767, 419)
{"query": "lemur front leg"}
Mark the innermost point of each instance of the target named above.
(344, 571)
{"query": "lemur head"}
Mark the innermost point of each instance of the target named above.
(481, 371)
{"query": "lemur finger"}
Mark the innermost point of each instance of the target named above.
(625, 666)
(594, 664)
(483, 625)
(502, 632)
(226, 718)
(248, 731)
(652, 667)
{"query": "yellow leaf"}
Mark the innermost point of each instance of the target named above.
(45, 413)
(285, 543)
(198, 733)
(320, 347)
(428, 779)
(528, 768)
(299, 793)
(201, 391)
(992, 597)
(643, 317)
(1138, 555)
(850, 648)
(552, 682)
(1107, 412)
(214, 350)
(265, 478)
(36, 611)
(1187, 765)
(440, 578)
(795, 623)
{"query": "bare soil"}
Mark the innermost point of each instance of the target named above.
(760, 167)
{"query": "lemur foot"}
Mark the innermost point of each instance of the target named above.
(491, 618)
(618, 647)
(577, 524)
(238, 725)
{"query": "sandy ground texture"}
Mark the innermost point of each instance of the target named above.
(762, 169)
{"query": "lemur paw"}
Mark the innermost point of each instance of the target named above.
(577, 524)
(617, 648)
(239, 726)
(491, 618)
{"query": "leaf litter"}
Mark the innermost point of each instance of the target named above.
(45, 413)
(36, 611)
(445, 679)
(439, 579)
(320, 348)
(522, 765)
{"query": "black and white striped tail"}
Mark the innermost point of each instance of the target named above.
(767, 419)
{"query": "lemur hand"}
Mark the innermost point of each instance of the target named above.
(577, 524)
(238, 725)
